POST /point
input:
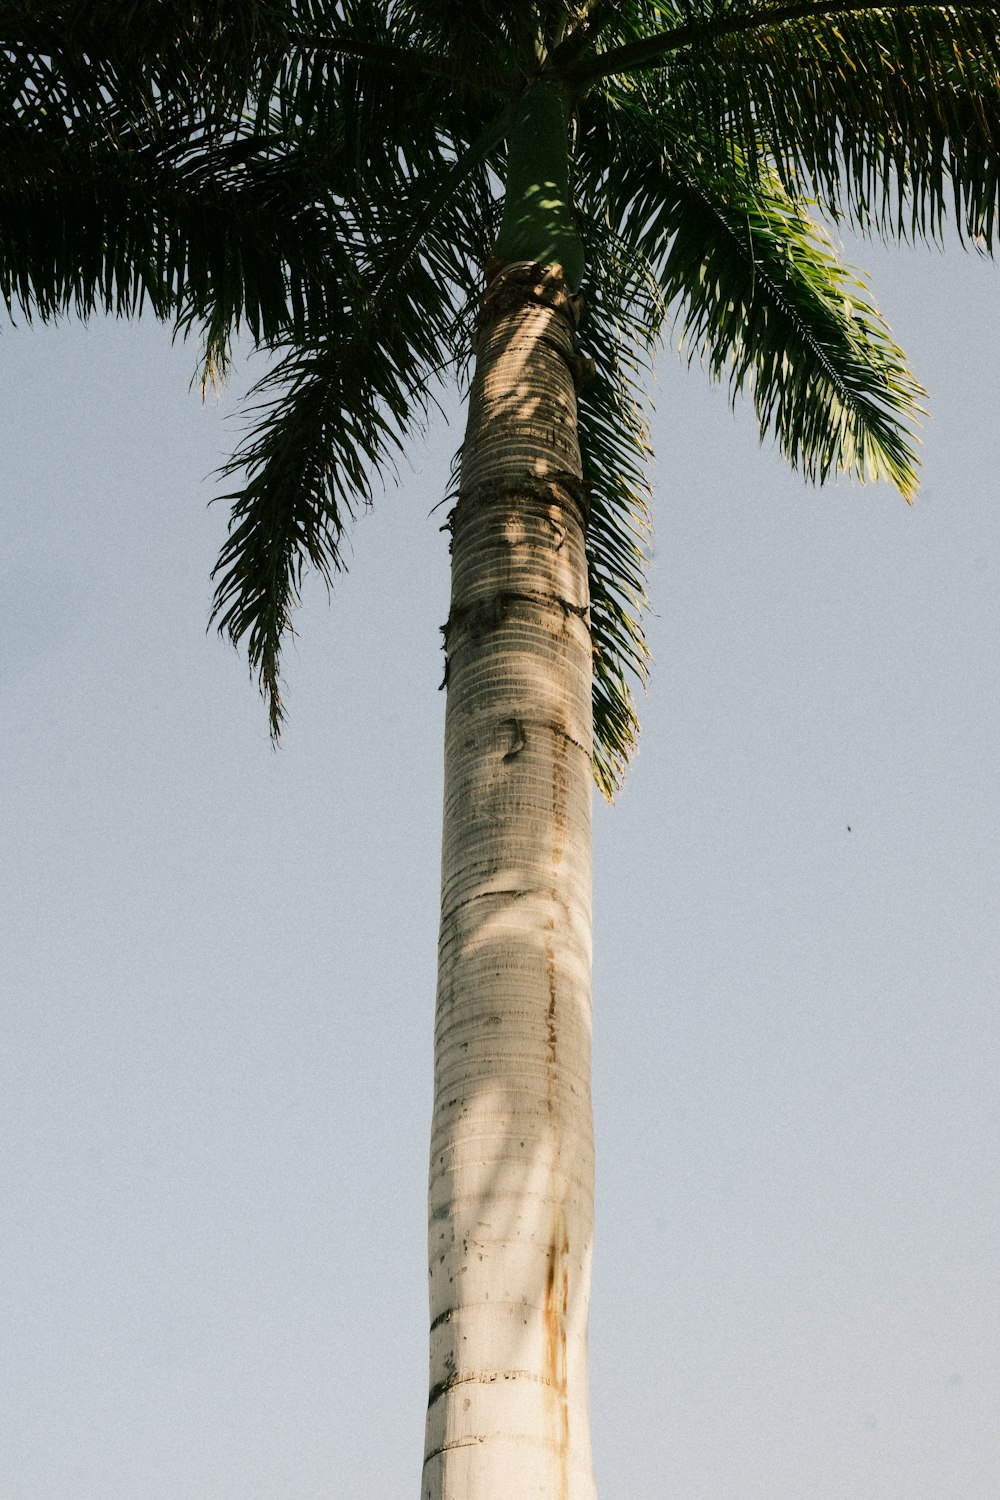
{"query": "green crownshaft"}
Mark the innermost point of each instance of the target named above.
(538, 222)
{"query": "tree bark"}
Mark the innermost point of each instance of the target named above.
(511, 1179)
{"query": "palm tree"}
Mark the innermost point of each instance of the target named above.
(375, 192)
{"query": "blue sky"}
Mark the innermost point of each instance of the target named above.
(217, 962)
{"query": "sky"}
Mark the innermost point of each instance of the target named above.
(217, 960)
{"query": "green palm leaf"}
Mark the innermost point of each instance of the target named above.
(84, 55)
(624, 314)
(350, 392)
(892, 111)
(762, 296)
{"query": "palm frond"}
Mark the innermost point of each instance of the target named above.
(369, 73)
(513, 31)
(80, 56)
(760, 294)
(344, 240)
(110, 160)
(351, 391)
(623, 316)
(106, 221)
(888, 112)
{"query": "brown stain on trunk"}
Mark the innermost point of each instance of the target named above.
(551, 1031)
(554, 1312)
(560, 790)
(559, 825)
(557, 1270)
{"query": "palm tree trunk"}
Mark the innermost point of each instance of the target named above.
(511, 1179)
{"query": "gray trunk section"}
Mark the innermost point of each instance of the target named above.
(511, 1179)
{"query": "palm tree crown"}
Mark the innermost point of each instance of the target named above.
(329, 178)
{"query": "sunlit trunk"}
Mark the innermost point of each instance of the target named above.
(511, 1179)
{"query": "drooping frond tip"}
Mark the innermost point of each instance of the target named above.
(623, 314)
(354, 383)
(758, 292)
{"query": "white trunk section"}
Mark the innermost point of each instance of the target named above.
(511, 1178)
